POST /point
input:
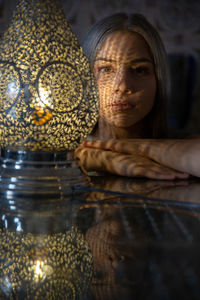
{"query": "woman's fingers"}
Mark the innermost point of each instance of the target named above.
(106, 145)
(129, 146)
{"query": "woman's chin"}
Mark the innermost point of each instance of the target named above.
(122, 122)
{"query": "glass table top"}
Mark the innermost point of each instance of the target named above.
(110, 238)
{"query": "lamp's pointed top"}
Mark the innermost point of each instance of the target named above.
(40, 31)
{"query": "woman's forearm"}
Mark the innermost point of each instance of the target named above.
(182, 155)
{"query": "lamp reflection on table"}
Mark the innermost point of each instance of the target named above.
(43, 254)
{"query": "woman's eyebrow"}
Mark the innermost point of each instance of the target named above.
(133, 61)
(104, 59)
(141, 59)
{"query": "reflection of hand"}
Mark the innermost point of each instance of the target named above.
(174, 191)
(188, 193)
(139, 186)
(97, 159)
(160, 189)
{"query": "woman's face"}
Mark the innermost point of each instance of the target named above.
(124, 70)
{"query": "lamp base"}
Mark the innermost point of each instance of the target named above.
(38, 174)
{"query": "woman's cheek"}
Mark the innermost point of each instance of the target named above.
(104, 94)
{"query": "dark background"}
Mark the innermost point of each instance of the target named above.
(178, 23)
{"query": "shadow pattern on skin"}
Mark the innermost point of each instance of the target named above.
(124, 164)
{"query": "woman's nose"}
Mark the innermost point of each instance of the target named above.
(123, 83)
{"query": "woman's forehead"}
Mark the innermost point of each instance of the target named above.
(123, 45)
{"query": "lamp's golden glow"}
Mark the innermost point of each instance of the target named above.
(48, 96)
(39, 270)
(44, 266)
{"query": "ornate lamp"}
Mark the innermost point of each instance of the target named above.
(48, 97)
(48, 105)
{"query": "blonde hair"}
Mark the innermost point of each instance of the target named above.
(156, 120)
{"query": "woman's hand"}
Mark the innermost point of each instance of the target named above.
(132, 165)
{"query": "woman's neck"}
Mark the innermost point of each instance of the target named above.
(106, 131)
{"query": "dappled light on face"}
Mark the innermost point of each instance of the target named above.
(125, 75)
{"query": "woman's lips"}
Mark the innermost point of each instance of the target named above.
(121, 106)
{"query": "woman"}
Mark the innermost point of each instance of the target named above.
(128, 59)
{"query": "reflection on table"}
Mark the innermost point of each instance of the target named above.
(112, 238)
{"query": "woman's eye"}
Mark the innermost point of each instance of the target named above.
(105, 69)
(140, 70)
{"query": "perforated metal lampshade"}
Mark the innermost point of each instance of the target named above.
(48, 96)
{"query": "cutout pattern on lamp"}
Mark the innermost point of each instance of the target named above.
(48, 96)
